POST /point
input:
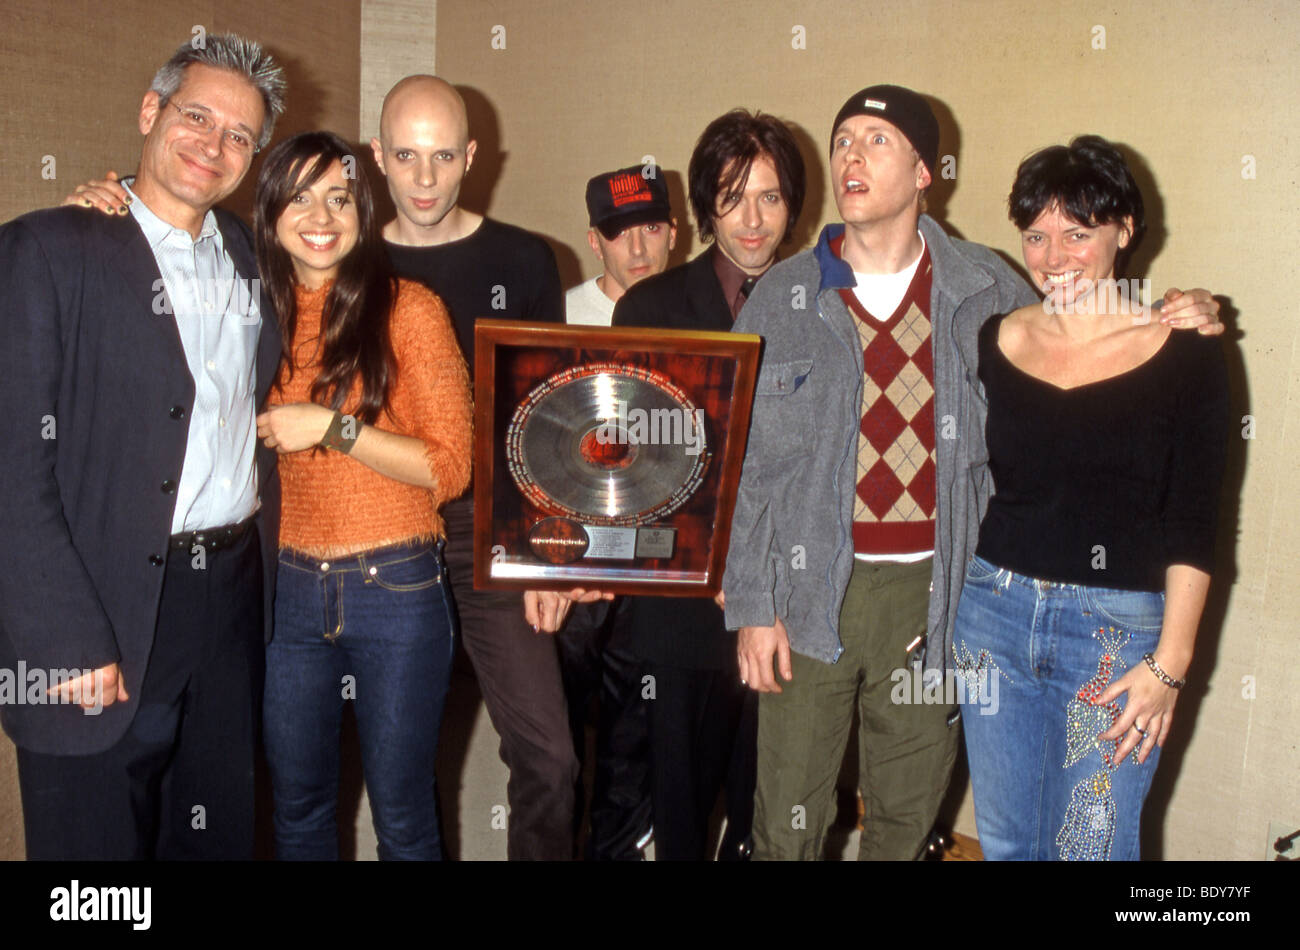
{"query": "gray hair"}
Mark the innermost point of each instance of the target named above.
(237, 55)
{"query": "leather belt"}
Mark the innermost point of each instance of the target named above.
(210, 539)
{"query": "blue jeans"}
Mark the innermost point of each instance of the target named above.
(1030, 653)
(376, 628)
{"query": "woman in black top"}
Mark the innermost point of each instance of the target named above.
(1106, 436)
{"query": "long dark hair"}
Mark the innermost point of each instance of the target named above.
(726, 151)
(354, 339)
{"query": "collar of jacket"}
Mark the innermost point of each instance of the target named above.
(836, 272)
(952, 273)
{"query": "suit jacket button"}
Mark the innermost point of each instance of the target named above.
(176, 412)
(156, 560)
(168, 487)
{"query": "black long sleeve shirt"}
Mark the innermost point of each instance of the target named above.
(1109, 483)
(499, 271)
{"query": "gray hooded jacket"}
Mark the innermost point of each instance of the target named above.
(791, 549)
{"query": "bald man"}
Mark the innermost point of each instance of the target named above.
(483, 268)
(480, 267)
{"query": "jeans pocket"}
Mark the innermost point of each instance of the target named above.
(980, 571)
(419, 570)
(1131, 610)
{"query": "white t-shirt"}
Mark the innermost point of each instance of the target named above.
(880, 294)
(588, 305)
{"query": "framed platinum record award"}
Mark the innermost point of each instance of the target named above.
(607, 458)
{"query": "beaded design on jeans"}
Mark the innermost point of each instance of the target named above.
(975, 671)
(1089, 823)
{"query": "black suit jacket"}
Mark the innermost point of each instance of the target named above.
(686, 297)
(686, 632)
(98, 395)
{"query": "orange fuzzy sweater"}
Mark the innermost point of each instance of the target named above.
(332, 504)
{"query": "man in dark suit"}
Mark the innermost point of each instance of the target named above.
(139, 511)
(746, 181)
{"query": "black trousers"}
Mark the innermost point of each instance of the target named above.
(518, 672)
(703, 736)
(179, 784)
(595, 670)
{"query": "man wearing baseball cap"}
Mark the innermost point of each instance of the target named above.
(856, 510)
(632, 233)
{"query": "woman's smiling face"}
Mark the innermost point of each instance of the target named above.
(1066, 259)
(319, 227)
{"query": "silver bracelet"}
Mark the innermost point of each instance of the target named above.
(1160, 674)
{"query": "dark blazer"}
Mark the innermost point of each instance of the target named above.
(686, 632)
(686, 297)
(95, 385)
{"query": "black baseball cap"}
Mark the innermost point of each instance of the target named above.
(905, 109)
(636, 195)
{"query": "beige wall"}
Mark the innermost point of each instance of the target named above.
(74, 72)
(1191, 88)
(397, 39)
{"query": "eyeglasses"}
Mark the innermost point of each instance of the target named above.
(202, 123)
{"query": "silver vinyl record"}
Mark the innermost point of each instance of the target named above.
(607, 443)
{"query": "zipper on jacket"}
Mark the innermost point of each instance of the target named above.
(848, 451)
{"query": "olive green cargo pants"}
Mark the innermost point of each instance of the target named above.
(906, 748)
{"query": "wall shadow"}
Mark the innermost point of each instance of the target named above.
(944, 179)
(808, 224)
(1213, 620)
(679, 201)
(489, 157)
(1155, 235)
(490, 160)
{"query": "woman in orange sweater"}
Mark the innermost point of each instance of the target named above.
(371, 417)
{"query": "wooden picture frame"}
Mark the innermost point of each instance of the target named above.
(559, 519)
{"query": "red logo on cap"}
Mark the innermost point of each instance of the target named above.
(626, 189)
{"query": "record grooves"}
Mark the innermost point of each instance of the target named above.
(607, 443)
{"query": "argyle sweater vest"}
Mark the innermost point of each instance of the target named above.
(893, 510)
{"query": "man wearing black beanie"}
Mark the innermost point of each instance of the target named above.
(856, 515)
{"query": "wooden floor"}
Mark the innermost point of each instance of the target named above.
(962, 848)
(955, 847)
